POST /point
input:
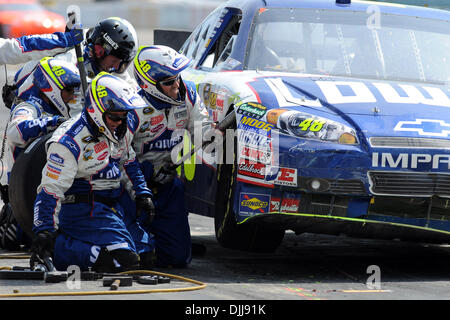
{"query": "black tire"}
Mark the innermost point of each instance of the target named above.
(250, 236)
(24, 179)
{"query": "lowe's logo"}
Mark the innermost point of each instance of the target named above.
(425, 127)
(411, 161)
(111, 42)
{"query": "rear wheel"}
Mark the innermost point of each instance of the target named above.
(24, 179)
(250, 236)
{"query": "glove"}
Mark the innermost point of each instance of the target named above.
(43, 244)
(164, 175)
(8, 95)
(74, 37)
(55, 122)
(145, 203)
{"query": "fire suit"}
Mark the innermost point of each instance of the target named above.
(30, 120)
(24, 82)
(153, 142)
(33, 47)
(79, 191)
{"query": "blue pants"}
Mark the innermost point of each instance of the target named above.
(85, 229)
(170, 226)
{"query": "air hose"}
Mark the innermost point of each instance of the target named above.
(198, 285)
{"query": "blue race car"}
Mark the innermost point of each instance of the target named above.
(342, 121)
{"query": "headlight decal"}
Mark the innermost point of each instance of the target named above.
(309, 126)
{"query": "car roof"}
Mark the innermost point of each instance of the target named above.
(356, 5)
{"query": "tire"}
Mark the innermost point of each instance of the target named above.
(250, 236)
(24, 179)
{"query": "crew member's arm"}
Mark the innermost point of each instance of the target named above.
(36, 47)
(57, 177)
(26, 125)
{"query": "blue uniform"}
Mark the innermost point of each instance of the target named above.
(79, 191)
(153, 141)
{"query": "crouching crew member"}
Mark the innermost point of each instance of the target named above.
(76, 213)
(173, 106)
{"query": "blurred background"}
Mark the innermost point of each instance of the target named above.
(22, 17)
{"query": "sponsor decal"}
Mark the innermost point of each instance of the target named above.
(53, 172)
(99, 147)
(52, 176)
(286, 177)
(256, 155)
(158, 128)
(179, 61)
(111, 42)
(56, 158)
(411, 161)
(181, 123)
(251, 203)
(87, 139)
(148, 110)
(87, 154)
(144, 127)
(425, 127)
(275, 204)
(53, 169)
(289, 205)
(163, 144)
(180, 114)
(336, 92)
(156, 119)
(103, 156)
(252, 169)
(212, 97)
(254, 139)
(220, 102)
(252, 109)
(255, 123)
(21, 113)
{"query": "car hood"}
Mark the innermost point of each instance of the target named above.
(373, 106)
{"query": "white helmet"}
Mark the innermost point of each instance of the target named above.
(52, 76)
(153, 64)
(110, 93)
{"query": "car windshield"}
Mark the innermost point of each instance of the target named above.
(351, 44)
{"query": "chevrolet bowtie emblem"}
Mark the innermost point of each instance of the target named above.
(425, 127)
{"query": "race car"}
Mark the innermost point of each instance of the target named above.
(26, 17)
(342, 121)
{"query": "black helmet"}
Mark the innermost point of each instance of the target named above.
(117, 37)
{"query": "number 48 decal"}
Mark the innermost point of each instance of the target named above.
(311, 125)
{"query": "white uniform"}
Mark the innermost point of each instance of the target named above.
(33, 47)
(153, 140)
(29, 120)
(78, 163)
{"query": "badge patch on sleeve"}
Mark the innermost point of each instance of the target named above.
(53, 172)
(56, 158)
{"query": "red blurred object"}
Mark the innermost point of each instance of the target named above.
(27, 17)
